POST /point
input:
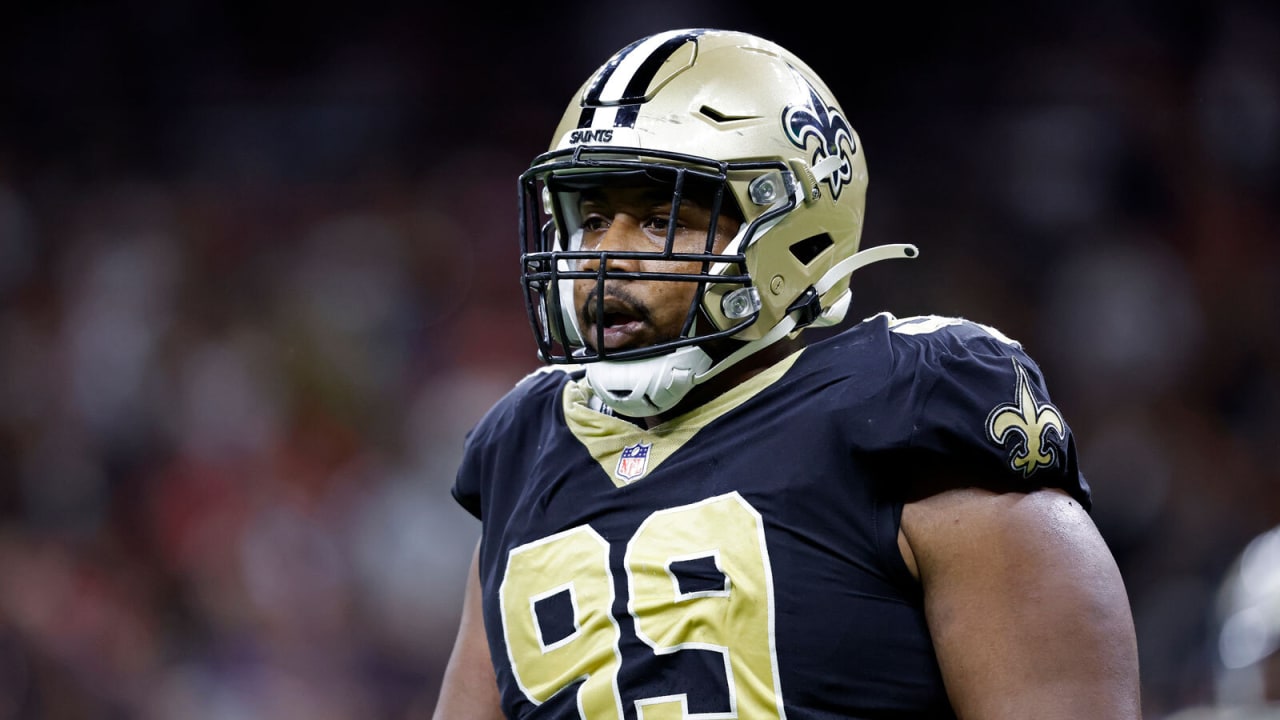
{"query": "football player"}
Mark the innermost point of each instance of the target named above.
(690, 512)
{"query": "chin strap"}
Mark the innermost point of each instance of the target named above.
(845, 268)
(861, 259)
(830, 316)
(650, 386)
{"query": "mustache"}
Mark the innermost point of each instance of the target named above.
(616, 298)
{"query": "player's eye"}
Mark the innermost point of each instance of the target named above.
(658, 224)
(595, 223)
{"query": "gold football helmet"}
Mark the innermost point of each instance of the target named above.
(735, 118)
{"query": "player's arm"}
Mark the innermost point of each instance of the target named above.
(1026, 606)
(469, 690)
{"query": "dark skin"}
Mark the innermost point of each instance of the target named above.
(641, 313)
(1026, 607)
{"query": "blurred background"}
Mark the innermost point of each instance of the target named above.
(258, 276)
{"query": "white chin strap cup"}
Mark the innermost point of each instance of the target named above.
(650, 386)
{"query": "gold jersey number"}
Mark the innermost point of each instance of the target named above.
(734, 619)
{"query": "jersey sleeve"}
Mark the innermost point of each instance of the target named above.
(987, 412)
(504, 431)
(467, 483)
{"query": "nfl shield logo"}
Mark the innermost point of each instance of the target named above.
(634, 461)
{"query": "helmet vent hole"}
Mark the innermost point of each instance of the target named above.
(720, 117)
(808, 249)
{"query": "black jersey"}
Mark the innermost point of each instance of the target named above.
(742, 560)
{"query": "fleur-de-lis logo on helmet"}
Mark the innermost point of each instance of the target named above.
(1030, 421)
(827, 125)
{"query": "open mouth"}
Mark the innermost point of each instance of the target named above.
(622, 324)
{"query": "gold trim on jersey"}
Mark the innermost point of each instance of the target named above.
(605, 436)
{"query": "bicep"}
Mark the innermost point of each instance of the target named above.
(469, 690)
(1026, 606)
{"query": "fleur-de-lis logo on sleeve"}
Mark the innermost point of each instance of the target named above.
(1026, 422)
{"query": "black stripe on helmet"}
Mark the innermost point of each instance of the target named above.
(644, 74)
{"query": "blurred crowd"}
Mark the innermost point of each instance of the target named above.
(258, 277)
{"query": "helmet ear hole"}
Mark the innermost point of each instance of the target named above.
(811, 247)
